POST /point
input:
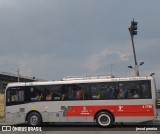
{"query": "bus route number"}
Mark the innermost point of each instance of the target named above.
(147, 106)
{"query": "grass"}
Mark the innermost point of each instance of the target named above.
(1, 105)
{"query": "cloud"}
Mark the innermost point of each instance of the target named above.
(28, 64)
(96, 60)
(121, 55)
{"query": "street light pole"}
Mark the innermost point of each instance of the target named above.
(140, 64)
(135, 59)
(132, 30)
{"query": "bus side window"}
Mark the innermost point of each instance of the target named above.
(36, 97)
(135, 94)
(95, 93)
(121, 91)
(110, 91)
(146, 90)
(14, 95)
(36, 93)
(86, 92)
(128, 94)
(17, 95)
(56, 93)
(9, 95)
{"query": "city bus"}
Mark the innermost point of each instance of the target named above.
(100, 99)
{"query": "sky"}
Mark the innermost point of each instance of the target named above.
(53, 39)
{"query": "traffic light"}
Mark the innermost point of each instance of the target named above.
(133, 28)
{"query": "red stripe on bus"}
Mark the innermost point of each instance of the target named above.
(117, 110)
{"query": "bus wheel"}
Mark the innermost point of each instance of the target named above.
(104, 119)
(34, 119)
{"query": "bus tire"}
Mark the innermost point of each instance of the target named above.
(34, 119)
(104, 119)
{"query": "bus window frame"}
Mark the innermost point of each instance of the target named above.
(21, 88)
(63, 88)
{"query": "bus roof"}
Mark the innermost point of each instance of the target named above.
(76, 81)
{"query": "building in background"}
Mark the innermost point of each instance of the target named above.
(6, 78)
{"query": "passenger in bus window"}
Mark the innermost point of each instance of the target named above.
(62, 96)
(78, 94)
(135, 94)
(86, 94)
(120, 94)
(36, 97)
(96, 95)
(63, 93)
(41, 97)
(49, 96)
(13, 98)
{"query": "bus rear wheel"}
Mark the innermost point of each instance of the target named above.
(34, 119)
(104, 119)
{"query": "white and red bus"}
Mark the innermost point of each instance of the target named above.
(100, 99)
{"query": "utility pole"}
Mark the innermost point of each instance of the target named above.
(18, 73)
(133, 31)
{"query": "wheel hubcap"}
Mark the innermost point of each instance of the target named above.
(104, 120)
(34, 120)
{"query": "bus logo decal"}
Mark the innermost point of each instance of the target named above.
(120, 108)
(84, 111)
